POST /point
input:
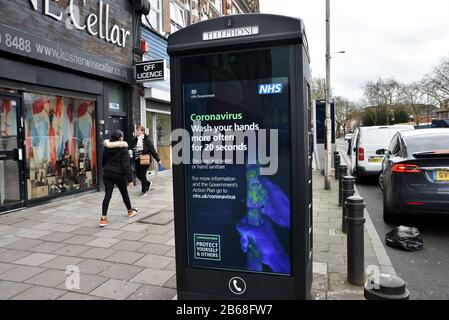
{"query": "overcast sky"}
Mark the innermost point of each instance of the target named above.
(403, 39)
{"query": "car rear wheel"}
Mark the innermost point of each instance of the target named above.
(387, 215)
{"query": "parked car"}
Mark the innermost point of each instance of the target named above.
(365, 142)
(415, 173)
(348, 136)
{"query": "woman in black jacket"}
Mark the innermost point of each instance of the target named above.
(116, 171)
(142, 144)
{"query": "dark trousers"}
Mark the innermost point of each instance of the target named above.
(141, 173)
(109, 182)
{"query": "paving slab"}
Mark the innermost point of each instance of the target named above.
(79, 239)
(87, 284)
(39, 293)
(103, 242)
(78, 296)
(62, 262)
(154, 261)
(72, 250)
(127, 245)
(153, 277)
(49, 278)
(35, 259)
(121, 271)
(24, 244)
(126, 257)
(98, 253)
(147, 292)
(9, 289)
(116, 289)
(13, 255)
(91, 266)
(21, 273)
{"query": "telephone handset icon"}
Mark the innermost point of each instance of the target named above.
(237, 285)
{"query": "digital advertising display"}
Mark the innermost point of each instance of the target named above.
(238, 179)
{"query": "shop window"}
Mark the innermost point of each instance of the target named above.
(154, 18)
(60, 144)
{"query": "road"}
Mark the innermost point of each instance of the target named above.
(425, 271)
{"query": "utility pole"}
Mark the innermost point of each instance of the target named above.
(328, 155)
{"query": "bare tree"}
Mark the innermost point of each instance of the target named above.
(436, 84)
(412, 97)
(318, 88)
(343, 110)
(382, 93)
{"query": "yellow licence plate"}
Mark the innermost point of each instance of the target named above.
(375, 159)
(441, 175)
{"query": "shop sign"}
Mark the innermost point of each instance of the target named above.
(153, 70)
(95, 24)
(26, 44)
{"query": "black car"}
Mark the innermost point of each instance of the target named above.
(415, 173)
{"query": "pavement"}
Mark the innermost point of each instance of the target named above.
(43, 247)
(58, 251)
(330, 254)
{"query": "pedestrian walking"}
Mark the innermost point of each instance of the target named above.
(116, 171)
(143, 150)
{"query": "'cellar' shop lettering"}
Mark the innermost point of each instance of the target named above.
(115, 35)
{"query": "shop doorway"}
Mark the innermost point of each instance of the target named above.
(12, 191)
(159, 129)
(117, 123)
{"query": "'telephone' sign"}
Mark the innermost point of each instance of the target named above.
(150, 71)
(231, 33)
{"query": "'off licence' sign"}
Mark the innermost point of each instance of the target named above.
(150, 70)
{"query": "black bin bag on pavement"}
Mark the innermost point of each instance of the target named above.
(405, 238)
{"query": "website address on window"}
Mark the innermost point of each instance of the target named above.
(60, 54)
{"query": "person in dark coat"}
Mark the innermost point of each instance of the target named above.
(142, 144)
(116, 171)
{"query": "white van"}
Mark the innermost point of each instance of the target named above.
(366, 141)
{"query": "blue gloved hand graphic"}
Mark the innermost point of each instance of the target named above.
(277, 204)
(264, 237)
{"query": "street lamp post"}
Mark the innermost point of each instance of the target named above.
(327, 158)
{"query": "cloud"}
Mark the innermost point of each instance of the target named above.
(403, 39)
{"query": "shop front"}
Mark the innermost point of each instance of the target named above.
(155, 105)
(65, 85)
(158, 122)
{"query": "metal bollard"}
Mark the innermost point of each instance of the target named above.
(348, 191)
(343, 171)
(355, 219)
(385, 286)
(337, 160)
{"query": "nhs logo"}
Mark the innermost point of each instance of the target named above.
(272, 88)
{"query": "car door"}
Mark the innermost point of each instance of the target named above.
(390, 159)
